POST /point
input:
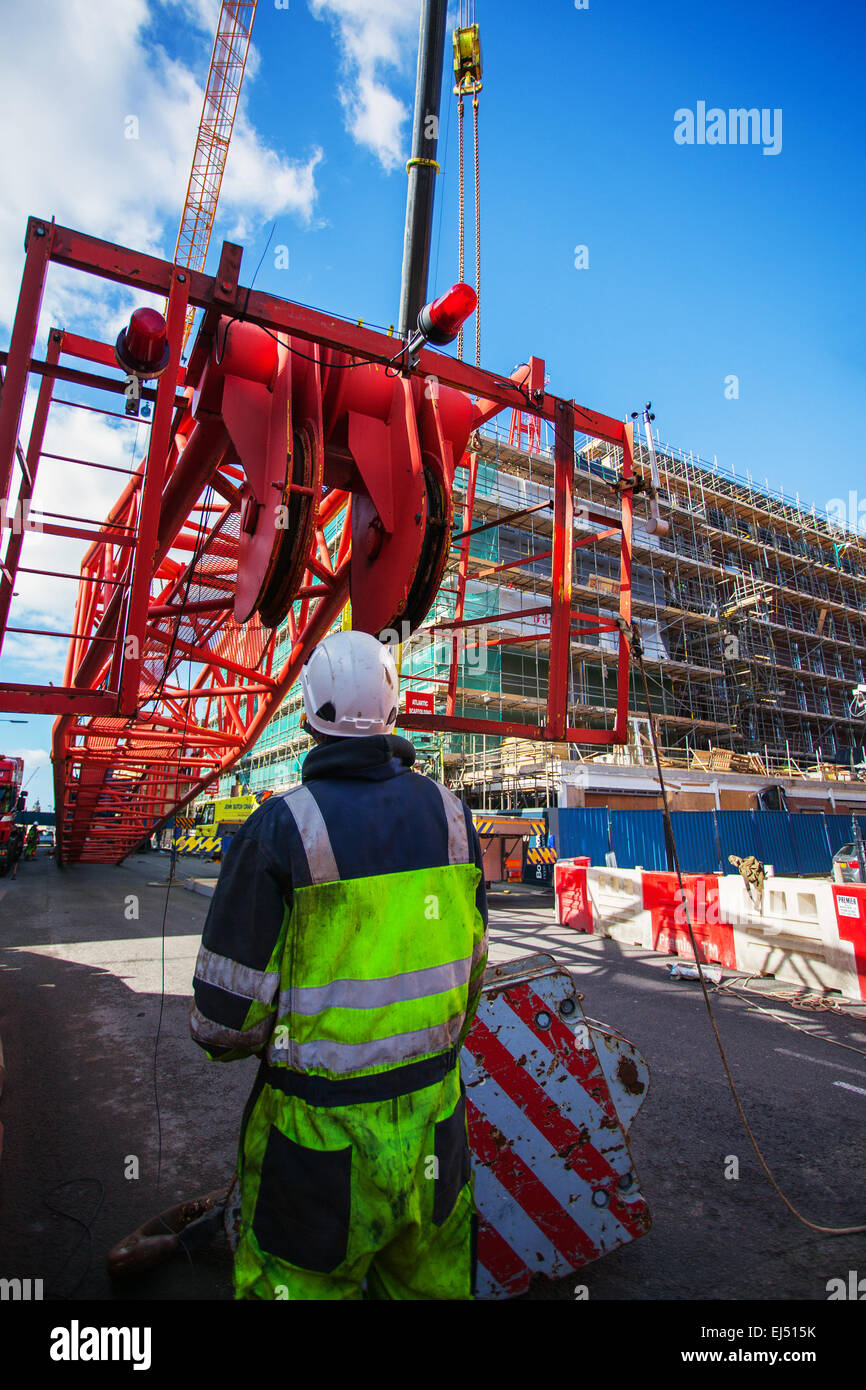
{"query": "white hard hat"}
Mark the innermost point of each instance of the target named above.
(350, 686)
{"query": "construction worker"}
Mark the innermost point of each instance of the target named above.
(345, 946)
(31, 842)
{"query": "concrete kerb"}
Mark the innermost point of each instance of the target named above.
(205, 886)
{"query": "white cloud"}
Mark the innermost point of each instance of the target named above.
(373, 34)
(42, 601)
(76, 72)
(85, 75)
(204, 14)
(258, 185)
(33, 758)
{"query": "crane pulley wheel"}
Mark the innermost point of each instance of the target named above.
(294, 534)
(434, 550)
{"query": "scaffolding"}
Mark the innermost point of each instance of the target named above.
(751, 611)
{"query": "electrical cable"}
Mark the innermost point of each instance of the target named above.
(206, 507)
(171, 874)
(365, 362)
(259, 266)
(85, 1225)
(632, 636)
(219, 352)
(196, 556)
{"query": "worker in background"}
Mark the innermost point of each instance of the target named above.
(345, 946)
(30, 842)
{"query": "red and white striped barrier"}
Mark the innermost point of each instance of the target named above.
(809, 931)
(549, 1101)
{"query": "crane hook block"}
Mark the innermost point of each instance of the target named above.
(467, 59)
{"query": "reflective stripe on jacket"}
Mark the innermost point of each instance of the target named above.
(347, 935)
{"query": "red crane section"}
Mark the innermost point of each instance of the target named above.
(300, 460)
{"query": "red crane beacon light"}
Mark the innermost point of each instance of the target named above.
(440, 321)
(142, 347)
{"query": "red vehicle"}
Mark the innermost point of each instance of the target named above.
(11, 835)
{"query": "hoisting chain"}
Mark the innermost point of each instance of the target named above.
(477, 235)
(460, 211)
(467, 71)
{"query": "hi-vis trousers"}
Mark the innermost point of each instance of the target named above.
(373, 1199)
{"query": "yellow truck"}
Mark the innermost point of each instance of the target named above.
(214, 823)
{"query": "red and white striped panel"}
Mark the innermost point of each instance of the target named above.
(548, 1110)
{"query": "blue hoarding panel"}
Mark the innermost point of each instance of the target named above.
(792, 843)
(736, 835)
(773, 842)
(697, 843)
(638, 838)
(580, 831)
(840, 832)
(812, 843)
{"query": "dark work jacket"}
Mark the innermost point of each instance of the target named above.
(381, 817)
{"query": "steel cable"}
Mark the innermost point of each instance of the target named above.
(633, 638)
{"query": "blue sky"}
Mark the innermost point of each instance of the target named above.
(704, 261)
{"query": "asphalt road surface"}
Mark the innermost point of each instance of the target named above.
(105, 1127)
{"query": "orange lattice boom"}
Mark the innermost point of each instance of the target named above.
(227, 64)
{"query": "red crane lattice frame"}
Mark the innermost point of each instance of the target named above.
(122, 768)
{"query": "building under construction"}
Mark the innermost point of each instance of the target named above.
(751, 610)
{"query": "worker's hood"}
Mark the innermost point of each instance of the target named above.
(374, 759)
